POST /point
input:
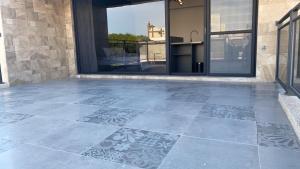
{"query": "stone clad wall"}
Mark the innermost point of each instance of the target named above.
(70, 45)
(38, 42)
(269, 12)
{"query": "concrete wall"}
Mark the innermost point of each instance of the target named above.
(38, 37)
(2, 54)
(269, 11)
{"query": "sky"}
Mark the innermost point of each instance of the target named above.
(134, 18)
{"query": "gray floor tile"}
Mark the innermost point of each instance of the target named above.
(191, 153)
(162, 122)
(188, 97)
(78, 137)
(112, 116)
(70, 98)
(32, 129)
(83, 162)
(72, 112)
(277, 135)
(174, 107)
(231, 100)
(102, 100)
(36, 108)
(133, 147)
(140, 103)
(275, 158)
(224, 111)
(239, 131)
(6, 145)
(270, 114)
(228, 112)
(32, 157)
(9, 118)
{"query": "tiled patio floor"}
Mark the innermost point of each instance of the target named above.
(115, 124)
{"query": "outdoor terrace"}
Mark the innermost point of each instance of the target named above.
(135, 124)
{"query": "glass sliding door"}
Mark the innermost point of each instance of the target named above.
(296, 78)
(187, 36)
(231, 37)
(134, 37)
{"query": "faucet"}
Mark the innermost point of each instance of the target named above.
(191, 34)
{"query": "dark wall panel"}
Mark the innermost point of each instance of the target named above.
(100, 28)
(86, 53)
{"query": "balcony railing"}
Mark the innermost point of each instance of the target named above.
(0, 75)
(288, 51)
(133, 56)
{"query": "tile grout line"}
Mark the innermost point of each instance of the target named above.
(219, 140)
(258, 148)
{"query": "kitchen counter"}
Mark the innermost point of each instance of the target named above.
(188, 43)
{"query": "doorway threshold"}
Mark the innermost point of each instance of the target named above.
(170, 77)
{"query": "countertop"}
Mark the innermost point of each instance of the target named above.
(188, 43)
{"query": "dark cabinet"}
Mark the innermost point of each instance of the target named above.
(187, 57)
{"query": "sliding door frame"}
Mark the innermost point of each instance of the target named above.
(168, 45)
(253, 32)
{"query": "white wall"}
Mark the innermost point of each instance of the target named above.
(2, 53)
(186, 18)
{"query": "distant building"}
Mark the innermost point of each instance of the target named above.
(156, 33)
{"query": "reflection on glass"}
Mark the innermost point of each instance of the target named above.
(296, 82)
(134, 39)
(231, 53)
(283, 54)
(231, 15)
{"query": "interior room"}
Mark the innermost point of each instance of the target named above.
(187, 25)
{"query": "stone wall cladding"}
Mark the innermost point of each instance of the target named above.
(269, 11)
(70, 35)
(37, 41)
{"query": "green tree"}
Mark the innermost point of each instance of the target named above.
(127, 37)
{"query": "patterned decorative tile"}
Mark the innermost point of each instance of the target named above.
(277, 135)
(228, 112)
(134, 147)
(101, 100)
(7, 118)
(112, 116)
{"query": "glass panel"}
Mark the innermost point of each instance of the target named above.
(231, 53)
(296, 82)
(187, 36)
(134, 39)
(283, 54)
(186, 21)
(231, 15)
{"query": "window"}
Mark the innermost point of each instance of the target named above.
(231, 37)
(283, 53)
(134, 39)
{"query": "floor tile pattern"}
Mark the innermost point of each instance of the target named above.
(227, 111)
(145, 124)
(139, 148)
(113, 116)
(8, 118)
(277, 135)
(100, 100)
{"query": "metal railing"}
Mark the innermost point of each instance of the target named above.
(146, 49)
(0, 75)
(288, 51)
